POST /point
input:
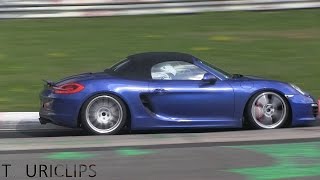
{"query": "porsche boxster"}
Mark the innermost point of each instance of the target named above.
(163, 90)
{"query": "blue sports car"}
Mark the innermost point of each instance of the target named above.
(158, 90)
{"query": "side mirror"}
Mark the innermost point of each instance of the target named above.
(209, 78)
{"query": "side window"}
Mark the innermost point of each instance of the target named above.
(176, 70)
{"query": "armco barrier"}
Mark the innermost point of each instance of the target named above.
(72, 8)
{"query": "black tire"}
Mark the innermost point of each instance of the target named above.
(254, 114)
(89, 125)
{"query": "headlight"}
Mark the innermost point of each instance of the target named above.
(298, 89)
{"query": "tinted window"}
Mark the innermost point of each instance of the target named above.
(176, 70)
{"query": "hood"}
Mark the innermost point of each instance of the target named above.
(254, 77)
(258, 79)
(81, 77)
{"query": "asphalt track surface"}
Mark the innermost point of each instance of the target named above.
(187, 155)
(168, 163)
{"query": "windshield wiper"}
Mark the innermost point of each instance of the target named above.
(237, 76)
(107, 70)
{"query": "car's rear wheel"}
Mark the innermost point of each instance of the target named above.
(267, 110)
(103, 114)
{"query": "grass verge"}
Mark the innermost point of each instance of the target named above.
(282, 45)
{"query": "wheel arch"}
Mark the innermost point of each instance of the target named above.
(266, 90)
(128, 122)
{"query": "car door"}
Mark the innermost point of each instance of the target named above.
(177, 93)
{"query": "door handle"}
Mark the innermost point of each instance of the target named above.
(159, 90)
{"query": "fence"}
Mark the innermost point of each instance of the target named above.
(87, 8)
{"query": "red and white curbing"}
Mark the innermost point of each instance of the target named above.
(15, 121)
(19, 116)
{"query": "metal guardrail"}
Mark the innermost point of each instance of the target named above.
(72, 8)
(72, 2)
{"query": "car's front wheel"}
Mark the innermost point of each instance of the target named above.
(103, 114)
(268, 110)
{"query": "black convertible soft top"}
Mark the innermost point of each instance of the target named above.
(138, 66)
(158, 57)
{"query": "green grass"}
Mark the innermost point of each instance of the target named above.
(282, 45)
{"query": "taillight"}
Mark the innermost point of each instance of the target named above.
(69, 88)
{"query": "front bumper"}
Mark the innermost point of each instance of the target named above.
(315, 109)
(305, 110)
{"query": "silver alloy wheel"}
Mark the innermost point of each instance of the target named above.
(269, 110)
(104, 114)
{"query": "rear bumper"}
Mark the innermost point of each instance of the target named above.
(62, 110)
(57, 119)
(43, 120)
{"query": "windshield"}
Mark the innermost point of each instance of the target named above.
(225, 74)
